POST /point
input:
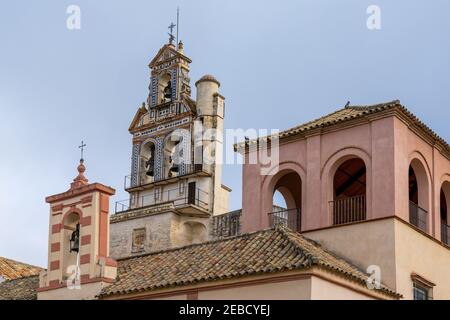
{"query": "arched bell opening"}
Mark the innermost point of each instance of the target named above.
(173, 155)
(147, 162)
(71, 231)
(287, 201)
(349, 192)
(165, 88)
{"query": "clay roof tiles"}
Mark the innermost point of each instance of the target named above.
(357, 112)
(11, 269)
(267, 251)
(19, 289)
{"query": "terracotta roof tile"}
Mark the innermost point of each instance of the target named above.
(19, 289)
(356, 112)
(10, 269)
(267, 251)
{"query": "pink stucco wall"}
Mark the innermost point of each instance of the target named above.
(386, 145)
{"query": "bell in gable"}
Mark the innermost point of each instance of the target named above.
(75, 240)
(168, 92)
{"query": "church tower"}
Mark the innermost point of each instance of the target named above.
(78, 248)
(175, 182)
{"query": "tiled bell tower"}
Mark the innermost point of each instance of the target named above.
(173, 190)
(78, 248)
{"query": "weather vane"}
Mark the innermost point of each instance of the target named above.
(82, 149)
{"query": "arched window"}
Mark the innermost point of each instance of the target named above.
(444, 206)
(349, 192)
(418, 195)
(147, 163)
(287, 201)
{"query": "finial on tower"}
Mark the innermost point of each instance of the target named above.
(80, 179)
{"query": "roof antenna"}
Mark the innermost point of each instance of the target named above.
(347, 104)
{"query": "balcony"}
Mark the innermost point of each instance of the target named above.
(290, 218)
(418, 216)
(226, 225)
(190, 201)
(445, 233)
(348, 210)
(142, 180)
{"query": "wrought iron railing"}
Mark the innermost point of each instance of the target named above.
(226, 225)
(347, 210)
(290, 218)
(445, 233)
(199, 198)
(142, 179)
(418, 216)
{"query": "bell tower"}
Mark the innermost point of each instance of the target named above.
(78, 248)
(175, 182)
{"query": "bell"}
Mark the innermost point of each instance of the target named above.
(168, 92)
(150, 171)
(75, 240)
(174, 168)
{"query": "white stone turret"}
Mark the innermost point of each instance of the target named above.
(210, 109)
(207, 90)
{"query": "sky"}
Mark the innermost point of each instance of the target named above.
(280, 63)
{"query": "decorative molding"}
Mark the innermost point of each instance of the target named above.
(166, 126)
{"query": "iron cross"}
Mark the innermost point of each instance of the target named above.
(82, 148)
(171, 36)
(172, 25)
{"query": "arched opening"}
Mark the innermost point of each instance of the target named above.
(193, 232)
(147, 163)
(418, 195)
(349, 192)
(165, 88)
(444, 206)
(287, 201)
(71, 232)
(173, 155)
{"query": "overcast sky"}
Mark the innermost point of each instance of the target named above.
(280, 63)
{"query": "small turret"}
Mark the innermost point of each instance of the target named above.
(207, 90)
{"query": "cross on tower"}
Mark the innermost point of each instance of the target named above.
(171, 36)
(82, 148)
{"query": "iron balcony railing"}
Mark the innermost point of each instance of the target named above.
(418, 216)
(445, 233)
(290, 218)
(199, 198)
(226, 225)
(142, 179)
(347, 210)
